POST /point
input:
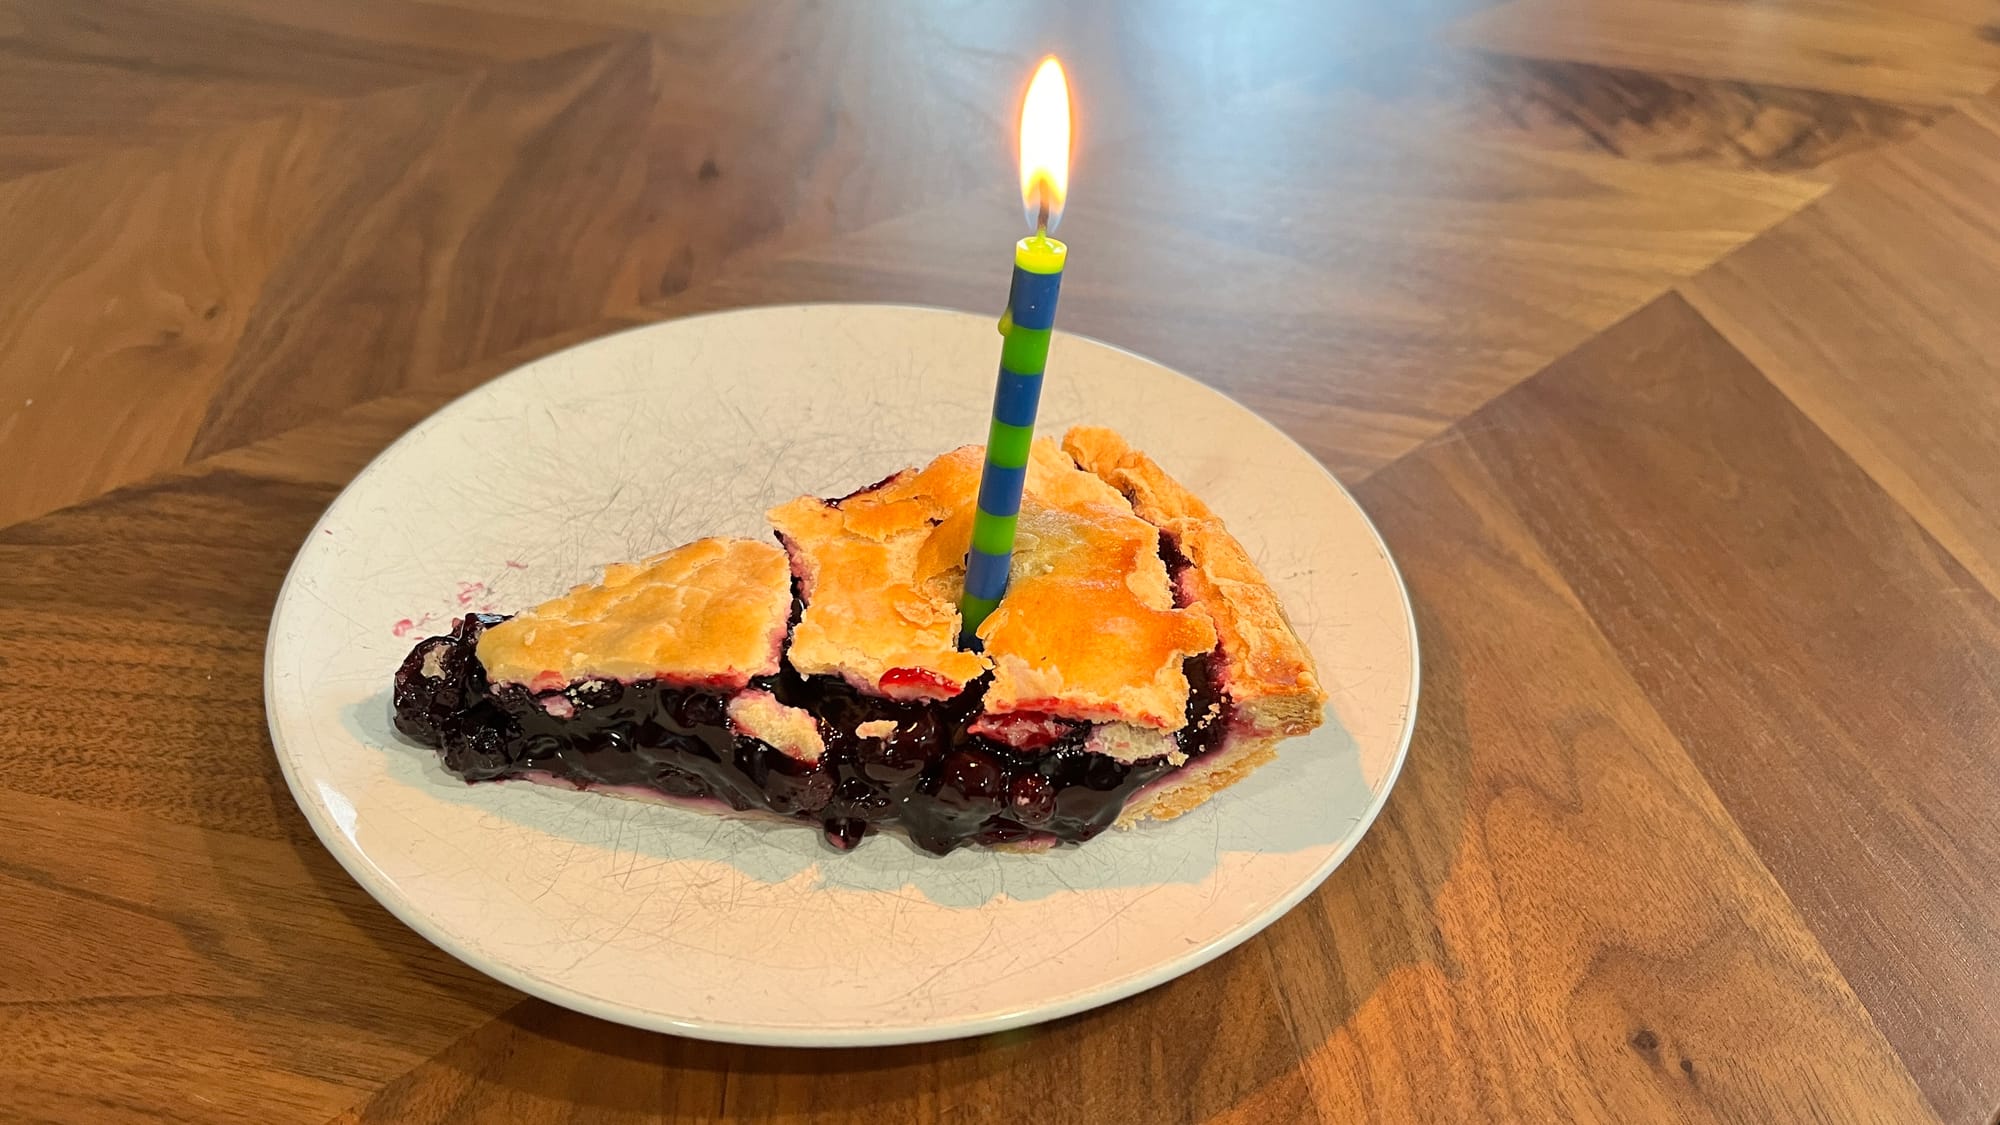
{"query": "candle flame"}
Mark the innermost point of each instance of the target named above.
(1045, 125)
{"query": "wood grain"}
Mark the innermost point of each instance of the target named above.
(1874, 313)
(1903, 54)
(1184, 1052)
(1445, 269)
(79, 78)
(166, 973)
(233, 287)
(236, 286)
(182, 608)
(1573, 902)
(1656, 333)
(1698, 517)
(145, 598)
(246, 281)
(1666, 118)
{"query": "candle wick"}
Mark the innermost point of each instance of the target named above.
(1042, 223)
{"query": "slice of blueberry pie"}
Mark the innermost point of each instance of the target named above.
(1138, 664)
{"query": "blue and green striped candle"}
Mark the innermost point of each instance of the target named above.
(1026, 327)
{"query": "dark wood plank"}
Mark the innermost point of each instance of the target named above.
(151, 603)
(1203, 1048)
(256, 280)
(160, 594)
(1555, 919)
(1874, 312)
(1136, 65)
(166, 973)
(1831, 668)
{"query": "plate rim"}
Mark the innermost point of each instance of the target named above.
(405, 910)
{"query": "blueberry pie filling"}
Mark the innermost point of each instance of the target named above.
(1138, 664)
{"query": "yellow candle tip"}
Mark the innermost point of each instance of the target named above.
(1038, 253)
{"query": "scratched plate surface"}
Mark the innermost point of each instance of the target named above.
(754, 930)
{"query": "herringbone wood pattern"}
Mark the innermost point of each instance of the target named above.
(1658, 335)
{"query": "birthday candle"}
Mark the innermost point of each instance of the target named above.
(1031, 316)
(1025, 329)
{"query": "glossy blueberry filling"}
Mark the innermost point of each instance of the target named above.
(944, 785)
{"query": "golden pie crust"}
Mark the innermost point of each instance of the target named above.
(711, 613)
(881, 599)
(1266, 670)
(1088, 629)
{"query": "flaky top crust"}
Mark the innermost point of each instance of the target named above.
(1087, 630)
(711, 613)
(881, 603)
(1267, 671)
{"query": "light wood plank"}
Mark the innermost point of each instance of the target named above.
(82, 78)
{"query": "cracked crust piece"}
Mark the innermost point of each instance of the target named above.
(711, 613)
(1088, 629)
(793, 731)
(1185, 788)
(881, 599)
(1266, 670)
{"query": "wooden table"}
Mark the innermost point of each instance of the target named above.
(1660, 336)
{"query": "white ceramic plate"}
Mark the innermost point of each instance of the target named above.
(754, 930)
